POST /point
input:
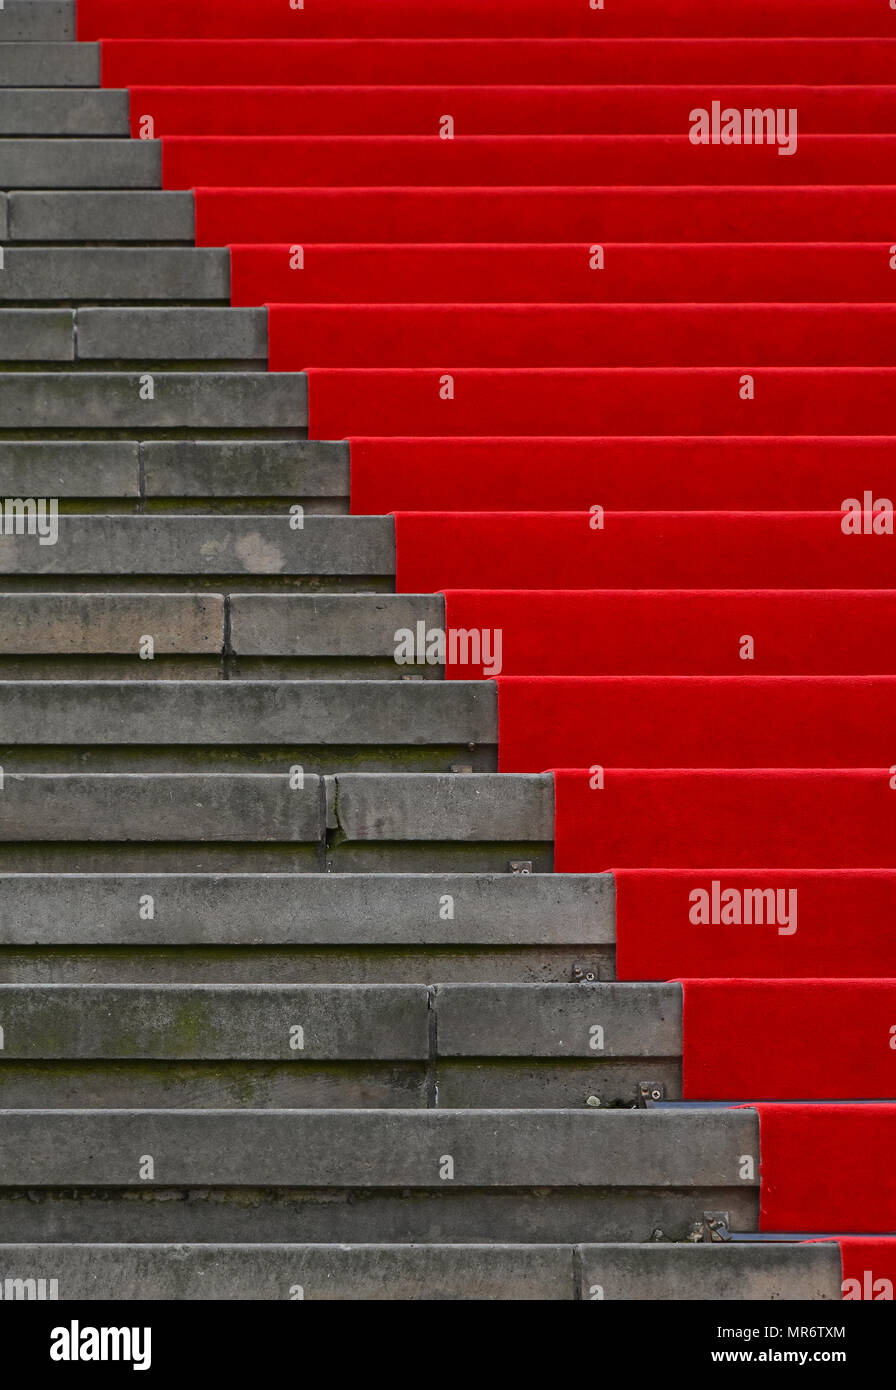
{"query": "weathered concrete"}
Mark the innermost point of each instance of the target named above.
(69, 468)
(181, 400)
(157, 807)
(36, 335)
(246, 468)
(341, 713)
(27, 21)
(440, 806)
(98, 624)
(311, 909)
(218, 1084)
(584, 1020)
(712, 1273)
(329, 624)
(48, 64)
(287, 1022)
(310, 1272)
(86, 273)
(48, 163)
(453, 1215)
(173, 335)
(425, 1272)
(367, 1148)
(99, 216)
(62, 111)
(206, 545)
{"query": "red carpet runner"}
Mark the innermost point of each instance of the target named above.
(632, 399)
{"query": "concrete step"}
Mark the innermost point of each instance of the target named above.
(347, 635)
(433, 1175)
(62, 111)
(173, 335)
(306, 928)
(49, 62)
(339, 1022)
(37, 335)
(256, 822)
(212, 726)
(354, 552)
(433, 822)
(37, 20)
(237, 336)
(236, 475)
(379, 1273)
(88, 163)
(107, 401)
(474, 1046)
(186, 822)
(100, 217)
(232, 474)
(43, 636)
(291, 1023)
(70, 275)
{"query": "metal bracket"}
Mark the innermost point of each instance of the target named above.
(521, 866)
(583, 977)
(716, 1227)
(650, 1093)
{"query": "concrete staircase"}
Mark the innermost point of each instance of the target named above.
(291, 1003)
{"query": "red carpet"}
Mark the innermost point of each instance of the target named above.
(869, 1269)
(583, 335)
(724, 321)
(651, 632)
(654, 18)
(839, 924)
(663, 819)
(637, 550)
(523, 214)
(768, 1039)
(828, 1168)
(609, 401)
(695, 721)
(621, 474)
(483, 110)
(428, 161)
(365, 61)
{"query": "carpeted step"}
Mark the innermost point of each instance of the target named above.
(361, 61)
(827, 1168)
(428, 161)
(457, 400)
(755, 924)
(628, 473)
(534, 335)
(617, 632)
(663, 819)
(739, 721)
(773, 1040)
(631, 550)
(590, 214)
(736, 286)
(193, 18)
(490, 110)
